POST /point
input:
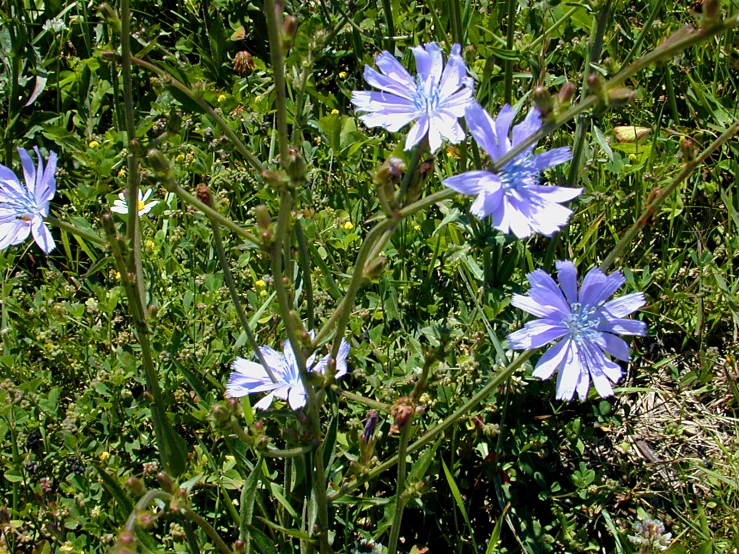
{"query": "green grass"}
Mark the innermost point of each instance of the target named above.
(75, 422)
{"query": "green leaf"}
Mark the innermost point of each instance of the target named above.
(460, 503)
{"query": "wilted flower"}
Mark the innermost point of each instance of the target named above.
(23, 209)
(244, 62)
(587, 323)
(249, 377)
(434, 99)
(120, 206)
(513, 196)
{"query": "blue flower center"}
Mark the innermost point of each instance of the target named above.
(519, 173)
(426, 96)
(582, 322)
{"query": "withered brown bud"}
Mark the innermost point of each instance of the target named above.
(390, 172)
(688, 149)
(165, 481)
(243, 63)
(203, 194)
(402, 412)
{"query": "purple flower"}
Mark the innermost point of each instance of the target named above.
(513, 196)
(434, 99)
(23, 209)
(249, 377)
(587, 323)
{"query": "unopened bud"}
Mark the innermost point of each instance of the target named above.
(145, 519)
(135, 486)
(174, 123)
(711, 10)
(295, 166)
(109, 56)
(239, 545)
(147, 395)
(390, 172)
(543, 101)
(289, 30)
(152, 310)
(203, 194)
(369, 425)
(159, 164)
(375, 268)
(595, 83)
(261, 213)
(111, 16)
(271, 178)
(165, 481)
(566, 94)
(402, 412)
(621, 96)
(688, 149)
(126, 539)
(221, 413)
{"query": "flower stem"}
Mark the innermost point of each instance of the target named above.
(387, 8)
(69, 228)
(508, 64)
(405, 433)
(228, 277)
(651, 209)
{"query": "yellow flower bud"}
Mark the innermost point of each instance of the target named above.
(348, 226)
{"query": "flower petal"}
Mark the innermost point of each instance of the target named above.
(550, 193)
(623, 306)
(592, 285)
(528, 304)
(546, 292)
(448, 127)
(454, 74)
(551, 360)
(614, 345)
(470, 182)
(567, 277)
(552, 158)
(417, 132)
(42, 235)
(529, 126)
(29, 172)
(265, 402)
(537, 333)
(624, 327)
(488, 201)
(482, 127)
(502, 127)
(572, 374)
(296, 400)
(434, 135)
(14, 232)
(429, 62)
(46, 186)
(7, 174)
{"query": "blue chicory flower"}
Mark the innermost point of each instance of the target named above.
(250, 377)
(23, 209)
(513, 196)
(434, 99)
(588, 324)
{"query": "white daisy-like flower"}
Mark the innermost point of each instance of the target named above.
(120, 206)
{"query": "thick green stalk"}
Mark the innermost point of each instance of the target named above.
(387, 8)
(133, 228)
(228, 277)
(69, 228)
(508, 64)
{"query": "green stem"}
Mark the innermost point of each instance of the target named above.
(508, 64)
(208, 528)
(361, 399)
(651, 209)
(133, 227)
(305, 267)
(228, 277)
(405, 433)
(198, 99)
(69, 228)
(274, 28)
(387, 8)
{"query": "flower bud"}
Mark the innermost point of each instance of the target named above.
(159, 164)
(145, 519)
(165, 481)
(111, 16)
(289, 30)
(261, 213)
(369, 425)
(390, 172)
(295, 166)
(620, 96)
(402, 412)
(135, 486)
(688, 149)
(243, 63)
(221, 413)
(595, 83)
(566, 94)
(126, 539)
(272, 178)
(543, 101)
(375, 268)
(174, 123)
(109, 56)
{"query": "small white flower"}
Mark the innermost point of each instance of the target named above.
(120, 206)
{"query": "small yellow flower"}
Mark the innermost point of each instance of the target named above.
(342, 74)
(117, 275)
(416, 227)
(149, 245)
(334, 112)
(93, 144)
(452, 152)
(122, 172)
(348, 226)
(260, 284)
(262, 292)
(104, 456)
(258, 99)
(632, 157)
(66, 547)
(221, 98)
(180, 158)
